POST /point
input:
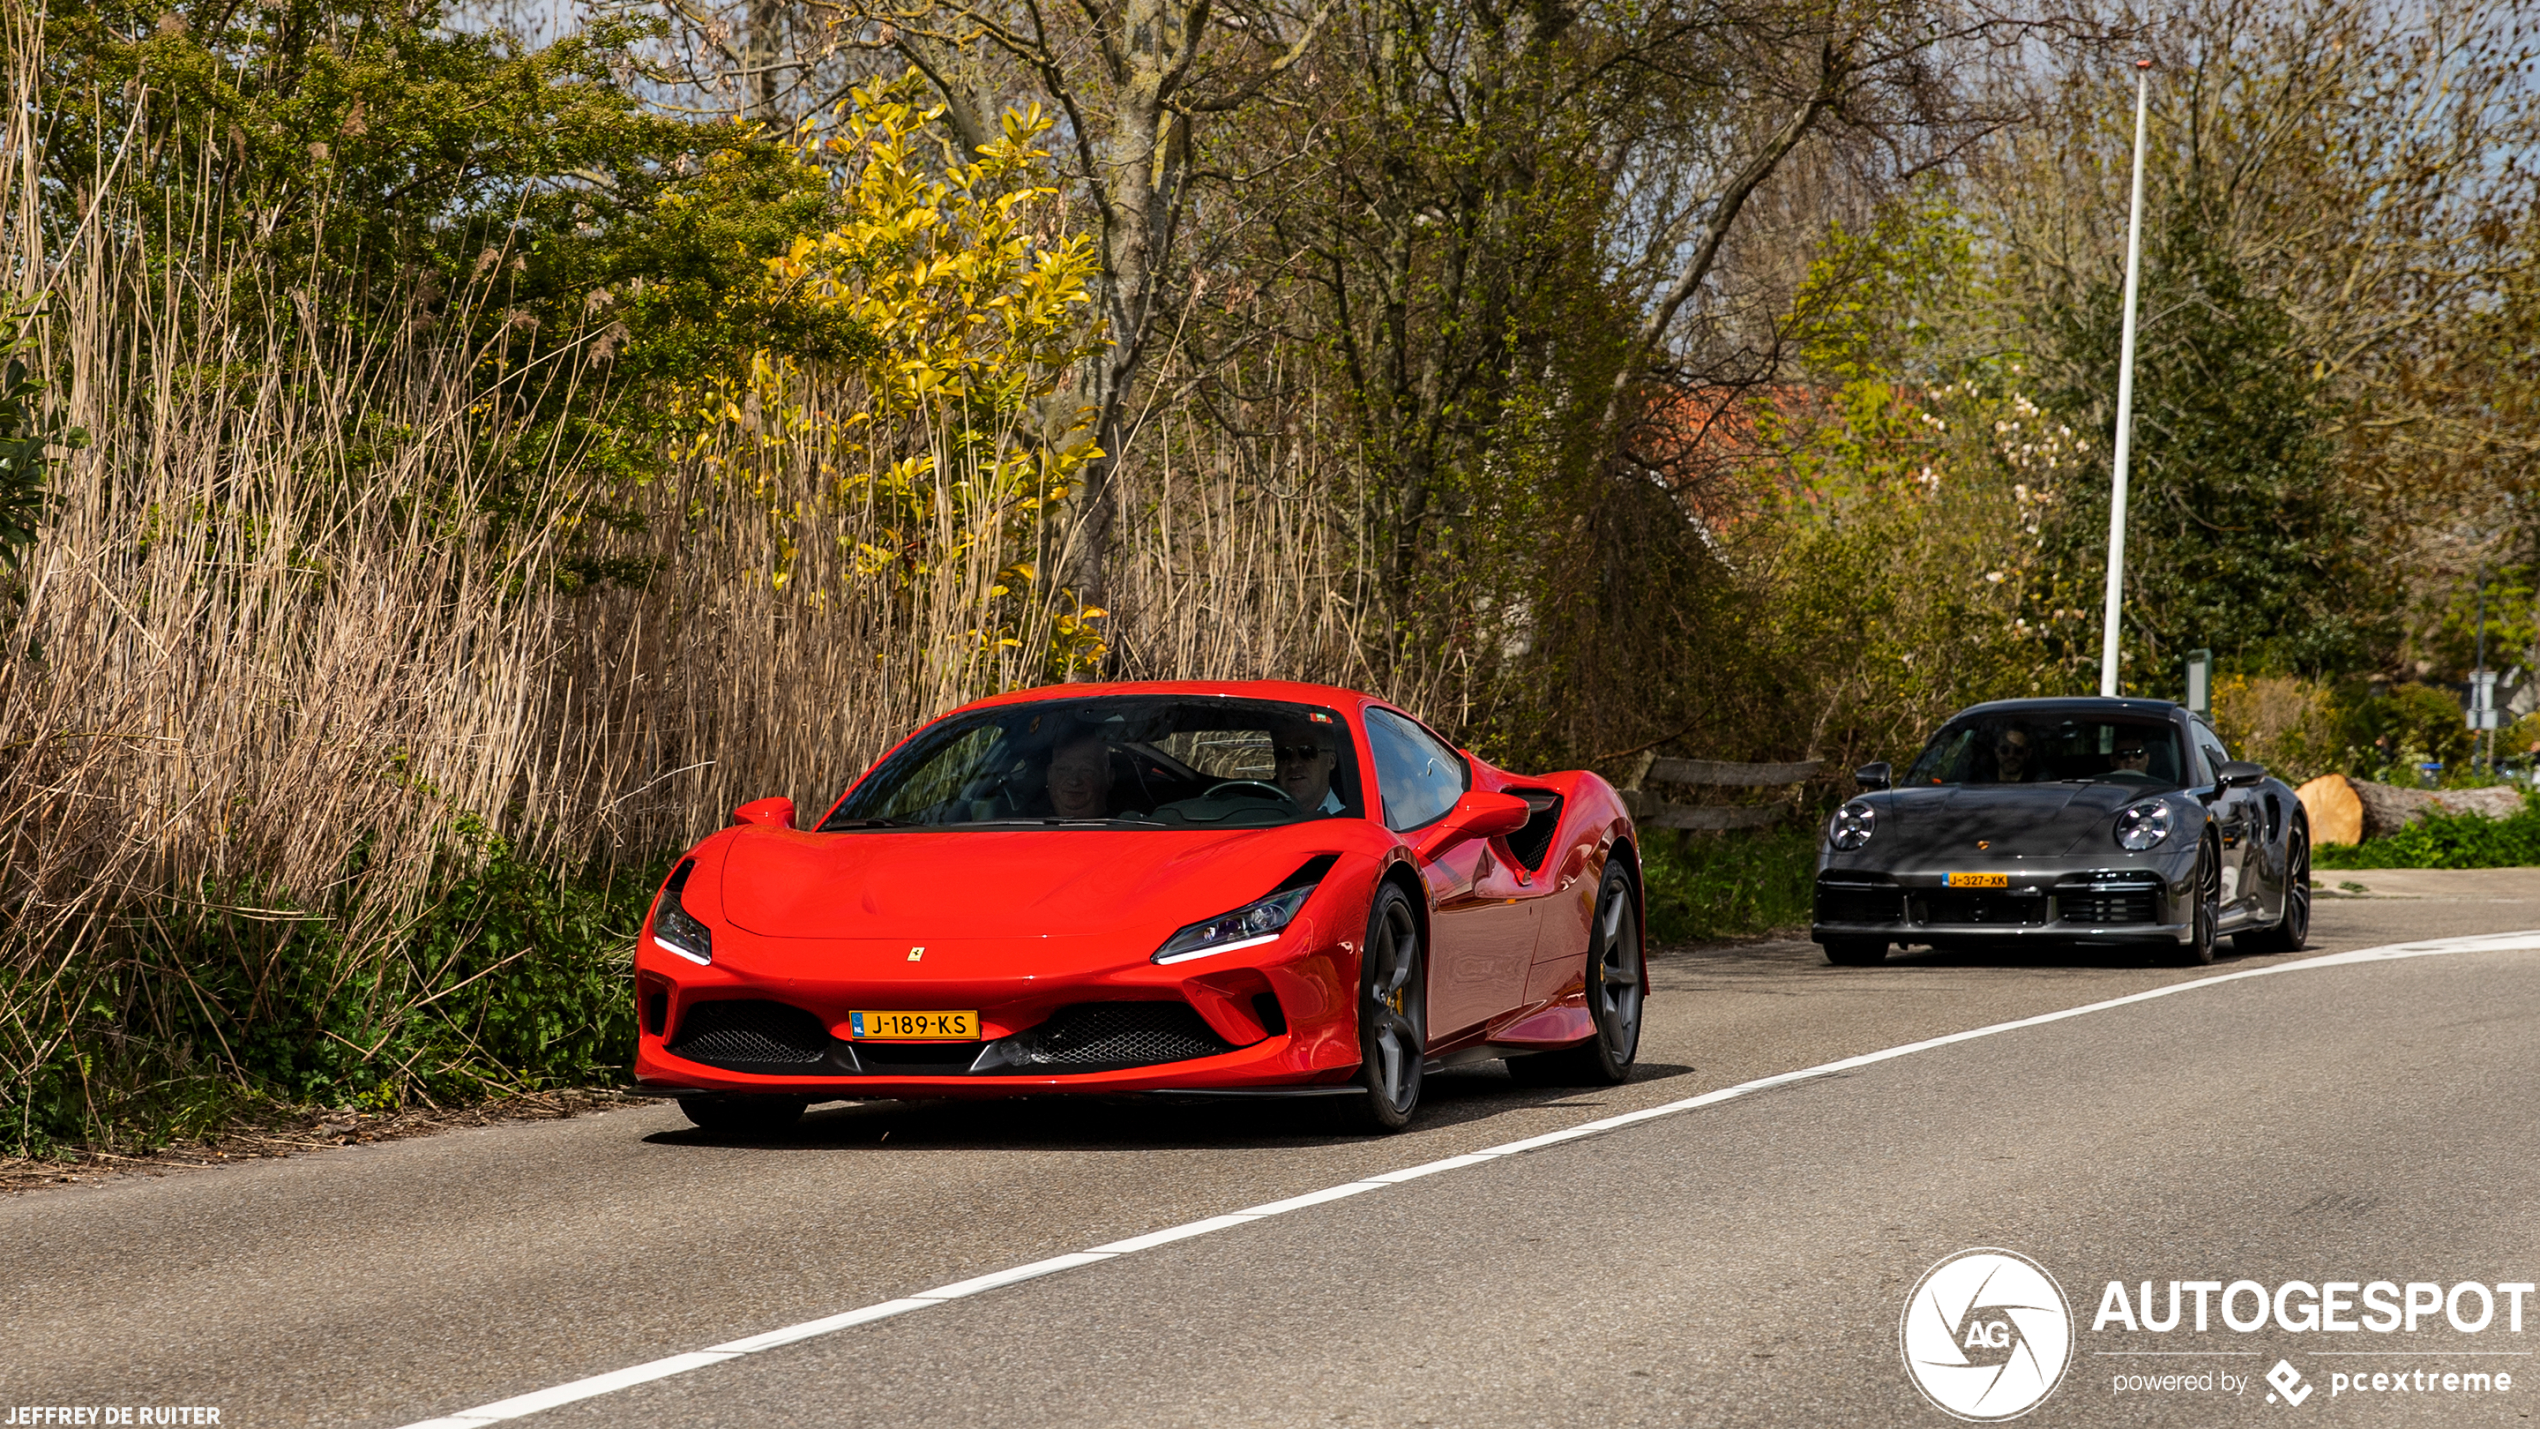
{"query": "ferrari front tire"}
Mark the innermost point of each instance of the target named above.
(1856, 952)
(743, 1115)
(1393, 1017)
(1617, 984)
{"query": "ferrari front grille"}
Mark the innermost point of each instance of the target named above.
(749, 1035)
(916, 1059)
(1106, 1036)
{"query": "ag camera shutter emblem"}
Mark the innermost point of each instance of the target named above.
(1987, 1335)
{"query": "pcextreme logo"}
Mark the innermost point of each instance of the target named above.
(1987, 1335)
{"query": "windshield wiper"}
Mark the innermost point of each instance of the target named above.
(834, 825)
(1050, 821)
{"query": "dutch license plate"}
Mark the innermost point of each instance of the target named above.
(913, 1026)
(1976, 880)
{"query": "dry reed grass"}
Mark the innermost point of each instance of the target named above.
(278, 659)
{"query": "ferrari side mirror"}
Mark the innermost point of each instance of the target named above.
(777, 813)
(2240, 774)
(1477, 815)
(1874, 776)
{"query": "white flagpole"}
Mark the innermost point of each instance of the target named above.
(2125, 397)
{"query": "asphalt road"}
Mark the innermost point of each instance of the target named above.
(1740, 1263)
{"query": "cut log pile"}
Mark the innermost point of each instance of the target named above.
(1654, 812)
(2346, 811)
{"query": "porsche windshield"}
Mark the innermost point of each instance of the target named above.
(2045, 748)
(1122, 761)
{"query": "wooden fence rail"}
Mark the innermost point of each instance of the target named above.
(1657, 813)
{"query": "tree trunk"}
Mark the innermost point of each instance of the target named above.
(2336, 811)
(2388, 808)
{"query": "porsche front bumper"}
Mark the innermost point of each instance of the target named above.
(2048, 904)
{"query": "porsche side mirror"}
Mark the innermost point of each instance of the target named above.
(775, 813)
(1477, 815)
(2240, 774)
(1875, 776)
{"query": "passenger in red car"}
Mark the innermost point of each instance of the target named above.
(1080, 778)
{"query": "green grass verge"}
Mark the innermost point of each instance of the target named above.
(1728, 885)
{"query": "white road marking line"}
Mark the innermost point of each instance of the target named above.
(809, 1328)
(977, 1284)
(1170, 1234)
(526, 1404)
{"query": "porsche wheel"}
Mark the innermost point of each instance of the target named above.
(1856, 952)
(1392, 1016)
(2199, 948)
(2293, 929)
(743, 1115)
(1617, 986)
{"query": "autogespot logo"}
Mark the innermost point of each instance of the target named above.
(1987, 1335)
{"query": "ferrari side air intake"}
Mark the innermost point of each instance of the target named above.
(751, 1036)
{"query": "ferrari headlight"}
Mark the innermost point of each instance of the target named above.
(1248, 926)
(2143, 826)
(675, 929)
(1852, 826)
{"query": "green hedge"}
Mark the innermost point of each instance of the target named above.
(2447, 841)
(206, 1002)
(1728, 885)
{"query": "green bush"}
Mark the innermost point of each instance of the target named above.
(1729, 884)
(515, 978)
(2447, 841)
(2395, 731)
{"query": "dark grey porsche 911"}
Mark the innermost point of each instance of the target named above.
(2066, 821)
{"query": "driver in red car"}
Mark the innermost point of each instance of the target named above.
(1080, 777)
(1305, 757)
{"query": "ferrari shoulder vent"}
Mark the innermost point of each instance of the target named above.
(750, 1036)
(1307, 875)
(1531, 842)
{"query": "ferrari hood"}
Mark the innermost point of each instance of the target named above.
(2014, 820)
(1000, 884)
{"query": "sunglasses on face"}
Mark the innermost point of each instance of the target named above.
(1296, 753)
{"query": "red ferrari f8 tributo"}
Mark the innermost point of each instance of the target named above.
(1227, 889)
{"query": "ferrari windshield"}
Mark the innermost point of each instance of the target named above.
(1120, 761)
(2043, 748)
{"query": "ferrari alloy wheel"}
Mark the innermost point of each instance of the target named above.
(1393, 1016)
(2208, 909)
(1617, 985)
(743, 1115)
(2293, 929)
(1856, 952)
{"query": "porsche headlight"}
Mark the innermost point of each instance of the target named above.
(675, 929)
(1248, 926)
(2143, 826)
(1852, 826)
